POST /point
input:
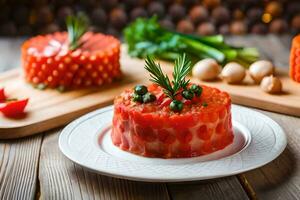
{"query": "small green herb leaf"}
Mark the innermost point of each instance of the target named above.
(158, 77)
(76, 26)
(181, 69)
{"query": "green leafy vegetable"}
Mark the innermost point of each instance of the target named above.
(181, 69)
(76, 26)
(145, 37)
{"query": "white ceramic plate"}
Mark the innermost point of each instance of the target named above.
(258, 140)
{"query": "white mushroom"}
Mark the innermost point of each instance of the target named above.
(206, 69)
(233, 73)
(259, 69)
(271, 84)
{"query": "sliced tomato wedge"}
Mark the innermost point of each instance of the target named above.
(2, 95)
(13, 108)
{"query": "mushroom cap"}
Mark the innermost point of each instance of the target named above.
(233, 73)
(206, 69)
(271, 84)
(259, 69)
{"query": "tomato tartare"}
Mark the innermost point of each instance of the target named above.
(77, 58)
(154, 130)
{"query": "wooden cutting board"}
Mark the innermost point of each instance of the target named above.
(49, 108)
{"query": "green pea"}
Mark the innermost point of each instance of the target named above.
(187, 94)
(137, 98)
(148, 97)
(140, 89)
(196, 89)
(176, 106)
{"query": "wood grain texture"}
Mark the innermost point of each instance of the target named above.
(279, 179)
(216, 189)
(18, 167)
(18, 158)
(62, 179)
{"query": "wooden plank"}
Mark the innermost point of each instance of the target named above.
(224, 188)
(18, 167)
(62, 179)
(280, 178)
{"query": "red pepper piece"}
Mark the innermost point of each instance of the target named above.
(2, 95)
(14, 108)
(165, 102)
(187, 102)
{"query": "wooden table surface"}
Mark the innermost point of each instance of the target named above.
(33, 167)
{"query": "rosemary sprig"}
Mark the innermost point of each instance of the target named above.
(76, 26)
(181, 69)
(158, 77)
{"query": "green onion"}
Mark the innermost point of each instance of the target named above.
(145, 37)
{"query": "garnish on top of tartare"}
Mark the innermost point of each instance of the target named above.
(77, 58)
(171, 119)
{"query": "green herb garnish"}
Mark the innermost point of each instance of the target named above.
(145, 37)
(181, 69)
(76, 26)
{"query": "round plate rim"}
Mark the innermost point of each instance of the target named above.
(146, 178)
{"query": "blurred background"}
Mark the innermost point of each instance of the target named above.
(204, 17)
